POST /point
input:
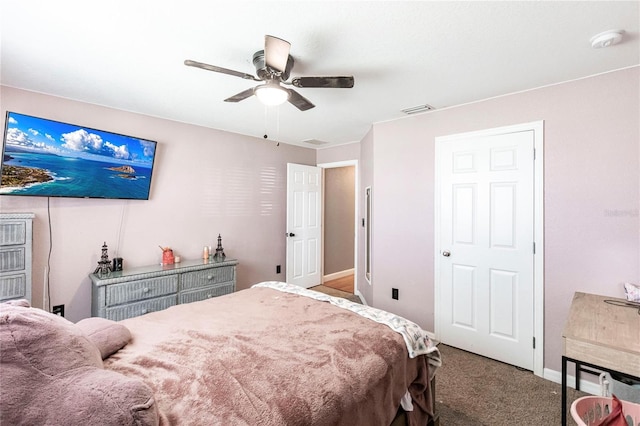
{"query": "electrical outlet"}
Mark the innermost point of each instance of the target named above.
(277, 269)
(58, 310)
(394, 293)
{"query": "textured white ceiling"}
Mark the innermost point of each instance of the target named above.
(129, 55)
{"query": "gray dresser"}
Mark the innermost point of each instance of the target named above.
(137, 291)
(16, 234)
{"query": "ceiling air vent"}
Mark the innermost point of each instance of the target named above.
(315, 142)
(417, 109)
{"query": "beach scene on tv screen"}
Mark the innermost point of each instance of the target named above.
(50, 158)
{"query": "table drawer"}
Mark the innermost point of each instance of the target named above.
(13, 286)
(13, 232)
(207, 293)
(131, 310)
(131, 291)
(206, 277)
(12, 259)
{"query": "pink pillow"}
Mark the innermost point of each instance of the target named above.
(108, 336)
(44, 341)
(52, 374)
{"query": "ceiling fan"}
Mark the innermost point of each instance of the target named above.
(273, 67)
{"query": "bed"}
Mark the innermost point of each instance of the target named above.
(275, 354)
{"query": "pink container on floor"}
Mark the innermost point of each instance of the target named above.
(590, 409)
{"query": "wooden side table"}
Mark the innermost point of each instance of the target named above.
(602, 336)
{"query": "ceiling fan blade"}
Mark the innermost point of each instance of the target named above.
(214, 68)
(345, 82)
(299, 101)
(240, 96)
(276, 53)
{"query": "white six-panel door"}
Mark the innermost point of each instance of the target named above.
(304, 225)
(485, 258)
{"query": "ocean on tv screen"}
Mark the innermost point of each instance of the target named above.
(48, 158)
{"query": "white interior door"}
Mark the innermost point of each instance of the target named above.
(485, 262)
(304, 225)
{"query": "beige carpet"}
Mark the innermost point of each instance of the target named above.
(336, 293)
(473, 390)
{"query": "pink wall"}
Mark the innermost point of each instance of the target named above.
(205, 182)
(592, 195)
(350, 151)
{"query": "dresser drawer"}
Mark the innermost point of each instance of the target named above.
(13, 232)
(12, 259)
(13, 286)
(16, 235)
(118, 313)
(207, 292)
(206, 277)
(118, 294)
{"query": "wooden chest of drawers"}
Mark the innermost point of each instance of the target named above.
(132, 292)
(15, 255)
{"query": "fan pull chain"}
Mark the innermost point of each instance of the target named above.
(278, 127)
(266, 136)
(265, 122)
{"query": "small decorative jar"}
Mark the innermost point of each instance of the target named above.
(167, 257)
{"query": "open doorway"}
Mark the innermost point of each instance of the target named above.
(339, 230)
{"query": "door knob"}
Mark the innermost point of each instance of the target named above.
(446, 253)
(291, 234)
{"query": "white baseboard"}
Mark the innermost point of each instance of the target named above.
(585, 385)
(360, 295)
(339, 274)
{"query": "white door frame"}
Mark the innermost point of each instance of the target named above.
(538, 268)
(335, 165)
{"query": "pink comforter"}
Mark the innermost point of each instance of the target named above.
(264, 357)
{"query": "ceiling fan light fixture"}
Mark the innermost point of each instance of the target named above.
(273, 65)
(272, 94)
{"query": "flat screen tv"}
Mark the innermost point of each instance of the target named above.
(47, 158)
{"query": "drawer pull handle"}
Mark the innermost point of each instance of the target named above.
(209, 277)
(145, 290)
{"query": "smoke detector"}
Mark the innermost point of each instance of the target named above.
(606, 39)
